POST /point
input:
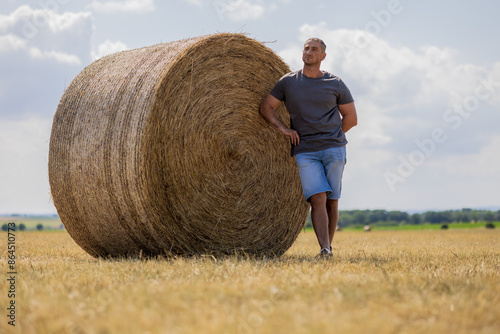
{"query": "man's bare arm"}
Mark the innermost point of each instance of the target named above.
(267, 110)
(349, 116)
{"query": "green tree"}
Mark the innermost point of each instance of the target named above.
(39, 227)
(398, 216)
(474, 215)
(434, 217)
(345, 219)
(416, 219)
(377, 216)
(489, 217)
(360, 217)
(462, 216)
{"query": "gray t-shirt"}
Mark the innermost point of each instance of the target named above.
(313, 107)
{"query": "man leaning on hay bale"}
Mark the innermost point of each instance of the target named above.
(321, 111)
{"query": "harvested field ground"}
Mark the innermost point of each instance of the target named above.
(379, 282)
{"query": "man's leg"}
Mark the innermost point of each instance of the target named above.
(332, 207)
(319, 217)
(334, 162)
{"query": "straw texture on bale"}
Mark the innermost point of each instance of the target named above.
(161, 150)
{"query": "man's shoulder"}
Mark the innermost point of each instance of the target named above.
(295, 75)
(291, 75)
(330, 76)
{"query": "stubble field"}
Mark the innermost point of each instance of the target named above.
(378, 282)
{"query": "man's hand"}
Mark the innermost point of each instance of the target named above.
(267, 109)
(294, 136)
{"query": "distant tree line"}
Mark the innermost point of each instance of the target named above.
(22, 227)
(383, 217)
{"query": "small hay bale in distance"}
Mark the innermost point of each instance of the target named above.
(161, 150)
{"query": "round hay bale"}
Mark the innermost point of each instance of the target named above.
(161, 150)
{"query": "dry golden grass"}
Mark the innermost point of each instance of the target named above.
(379, 282)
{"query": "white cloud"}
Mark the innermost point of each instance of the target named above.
(24, 149)
(239, 10)
(27, 21)
(131, 6)
(45, 34)
(495, 78)
(485, 162)
(61, 57)
(459, 180)
(40, 52)
(198, 3)
(108, 47)
(11, 42)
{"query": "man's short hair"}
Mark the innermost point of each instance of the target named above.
(320, 41)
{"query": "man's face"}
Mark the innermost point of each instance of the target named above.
(312, 53)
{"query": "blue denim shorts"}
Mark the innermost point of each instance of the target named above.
(322, 172)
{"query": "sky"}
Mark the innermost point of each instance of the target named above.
(425, 76)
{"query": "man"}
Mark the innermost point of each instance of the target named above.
(321, 112)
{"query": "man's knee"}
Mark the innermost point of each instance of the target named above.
(318, 199)
(332, 204)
